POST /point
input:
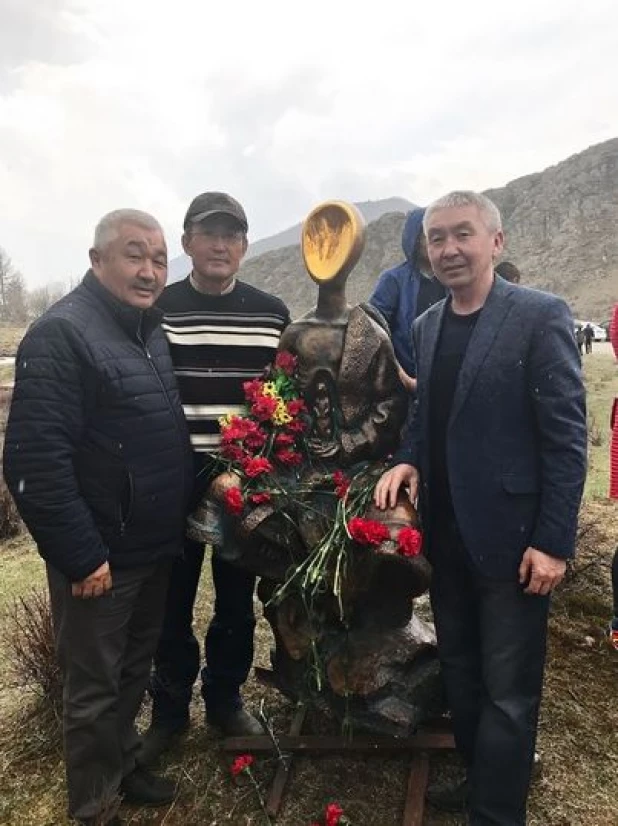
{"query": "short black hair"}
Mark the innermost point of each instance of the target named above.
(509, 272)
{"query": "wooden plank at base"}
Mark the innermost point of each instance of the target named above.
(273, 803)
(415, 796)
(317, 743)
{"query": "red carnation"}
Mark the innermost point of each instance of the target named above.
(253, 389)
(288, 457)
(367, 531)
(234, 453)
(296, 406)
(333, 814)
(284, 440)
(410, 542)
(255, 466)
(260, 498)
(237, 429)
(232, 433)
(342, 483)
(263, 408)
(296, 425)
(286, 361)
(255, 439)
(234, 503)
(241, 764)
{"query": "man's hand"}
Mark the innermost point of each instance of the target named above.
(95, 585)
(541, 571)
(389, 483)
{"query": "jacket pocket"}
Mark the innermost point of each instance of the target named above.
(520, 483)
(107, 486)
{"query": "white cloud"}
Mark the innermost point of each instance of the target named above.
(113, 103)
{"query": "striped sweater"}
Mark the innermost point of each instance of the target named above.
(217, 343)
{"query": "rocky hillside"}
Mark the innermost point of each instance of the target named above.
(371, 210)
(282, 271)
(561, 227)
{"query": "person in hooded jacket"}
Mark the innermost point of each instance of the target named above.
(404, 292)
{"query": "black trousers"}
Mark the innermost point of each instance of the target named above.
(228, 644)
(105, 648)
(491, 642)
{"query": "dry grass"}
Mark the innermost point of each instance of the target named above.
(10, 523)
(578, 732)
(10, 336)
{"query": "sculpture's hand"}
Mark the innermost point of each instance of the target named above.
(386, 491)
(322, 449)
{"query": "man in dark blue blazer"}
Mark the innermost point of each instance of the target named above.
(496, 454)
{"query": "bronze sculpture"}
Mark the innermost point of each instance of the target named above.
(338, 577)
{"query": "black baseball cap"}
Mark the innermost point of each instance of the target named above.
(213, 203)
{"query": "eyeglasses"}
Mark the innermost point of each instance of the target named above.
(228, 236)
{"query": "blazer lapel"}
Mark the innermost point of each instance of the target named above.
(428, 340)
(487, 327)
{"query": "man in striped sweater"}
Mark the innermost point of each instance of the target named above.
(222, 333)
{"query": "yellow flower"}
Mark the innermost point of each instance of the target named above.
(225, 421)
(281, 415)
(269, 389)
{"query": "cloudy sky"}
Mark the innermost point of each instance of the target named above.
(113, 103)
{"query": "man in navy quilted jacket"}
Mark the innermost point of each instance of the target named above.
(98, 460)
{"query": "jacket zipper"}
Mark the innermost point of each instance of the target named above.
(165, 393)
(125, 518)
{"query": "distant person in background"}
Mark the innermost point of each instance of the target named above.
(580, 337)
(509, 272)
(613, 481)
(588, 337)
(405, 292)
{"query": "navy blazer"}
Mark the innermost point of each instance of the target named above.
(516, 437)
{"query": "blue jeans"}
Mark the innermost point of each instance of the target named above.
(228, 644)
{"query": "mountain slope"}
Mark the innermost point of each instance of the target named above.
(561, 228)
(371, 210)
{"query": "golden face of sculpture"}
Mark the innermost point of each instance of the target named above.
(332, 239)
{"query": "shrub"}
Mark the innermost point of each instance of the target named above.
(29, 640)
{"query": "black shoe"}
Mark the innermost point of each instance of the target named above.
(451, 798)
(236, 723)
(142, 788)
(159, 738)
